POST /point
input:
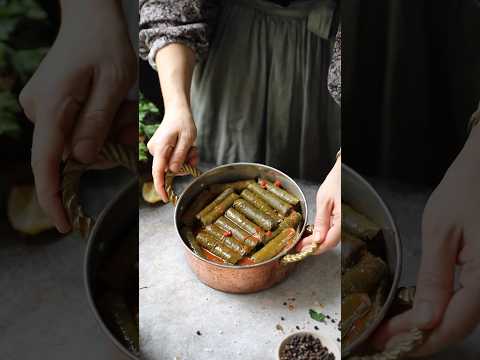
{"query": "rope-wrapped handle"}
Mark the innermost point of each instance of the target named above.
(185, 170)
(113, 153)
(402, 345)
(293, 258)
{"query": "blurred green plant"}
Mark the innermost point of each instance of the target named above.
(21, 51)
(148, 121)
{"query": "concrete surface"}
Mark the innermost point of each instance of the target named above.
(44, 313)
(175, 305)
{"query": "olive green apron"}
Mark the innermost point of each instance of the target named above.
(261, 95)
(411, 82)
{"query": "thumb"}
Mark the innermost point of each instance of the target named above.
(96, 119)
(322, 218)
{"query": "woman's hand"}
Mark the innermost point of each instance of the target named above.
(75, 93)
(450, 232)
(328, 221)
(171, 146)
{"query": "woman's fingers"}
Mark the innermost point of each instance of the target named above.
(97, 116)
(180, 153)
(322, 218)
(392, 327)
(161, 157)
(193, 157)
(460, 319)
(51, 130)
(437, 269)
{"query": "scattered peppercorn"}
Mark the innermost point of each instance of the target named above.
(316, 327)
(284, 304)
(199, 333)
(298, 327)
(283, 319)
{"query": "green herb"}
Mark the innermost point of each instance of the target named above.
(142, 152)
(146, 131)
(318, 316)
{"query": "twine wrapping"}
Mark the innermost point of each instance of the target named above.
(112, 153)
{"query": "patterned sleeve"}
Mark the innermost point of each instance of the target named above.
(335, 71)
(163, 22)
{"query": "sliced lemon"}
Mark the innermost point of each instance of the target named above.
(149, 193)
(24, 212)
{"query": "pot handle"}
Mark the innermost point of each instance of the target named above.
(117, 154)
(293, 258)
(169, 177)
(402, 345)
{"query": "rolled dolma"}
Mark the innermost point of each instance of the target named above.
(219, 209)
(352, 249)
(354, 307)
(254, 214)
(228, 241)
(188, 235)
(292, 220)
(261, 204)
(240, 220)
(275, 246)
(365, 276)
(204, 198)
(278, 191)
(236, 186)
(237, 232)
(122, 321)
(218, 249)
(273, 200)
(358, 224)
(214, 203)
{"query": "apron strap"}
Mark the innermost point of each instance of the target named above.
(321, 20)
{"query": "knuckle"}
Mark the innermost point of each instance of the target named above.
(189, 137)
(151, 146)
(118, 75)
(25, 99)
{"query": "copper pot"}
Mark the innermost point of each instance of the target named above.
(103, 234)
(241, 279)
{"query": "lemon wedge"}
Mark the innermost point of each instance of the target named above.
(149, 193)
(24, 212)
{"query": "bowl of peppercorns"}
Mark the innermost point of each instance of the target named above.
(308, 346)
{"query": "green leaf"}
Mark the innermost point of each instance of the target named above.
(149, 130)
(7, 26)
(9, 112)
(318, 316)
(25, 62)
(142, 152)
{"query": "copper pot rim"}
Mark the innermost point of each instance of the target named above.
(375, 323)
(243, 267)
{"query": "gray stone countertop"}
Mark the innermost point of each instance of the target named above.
(175, 305)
